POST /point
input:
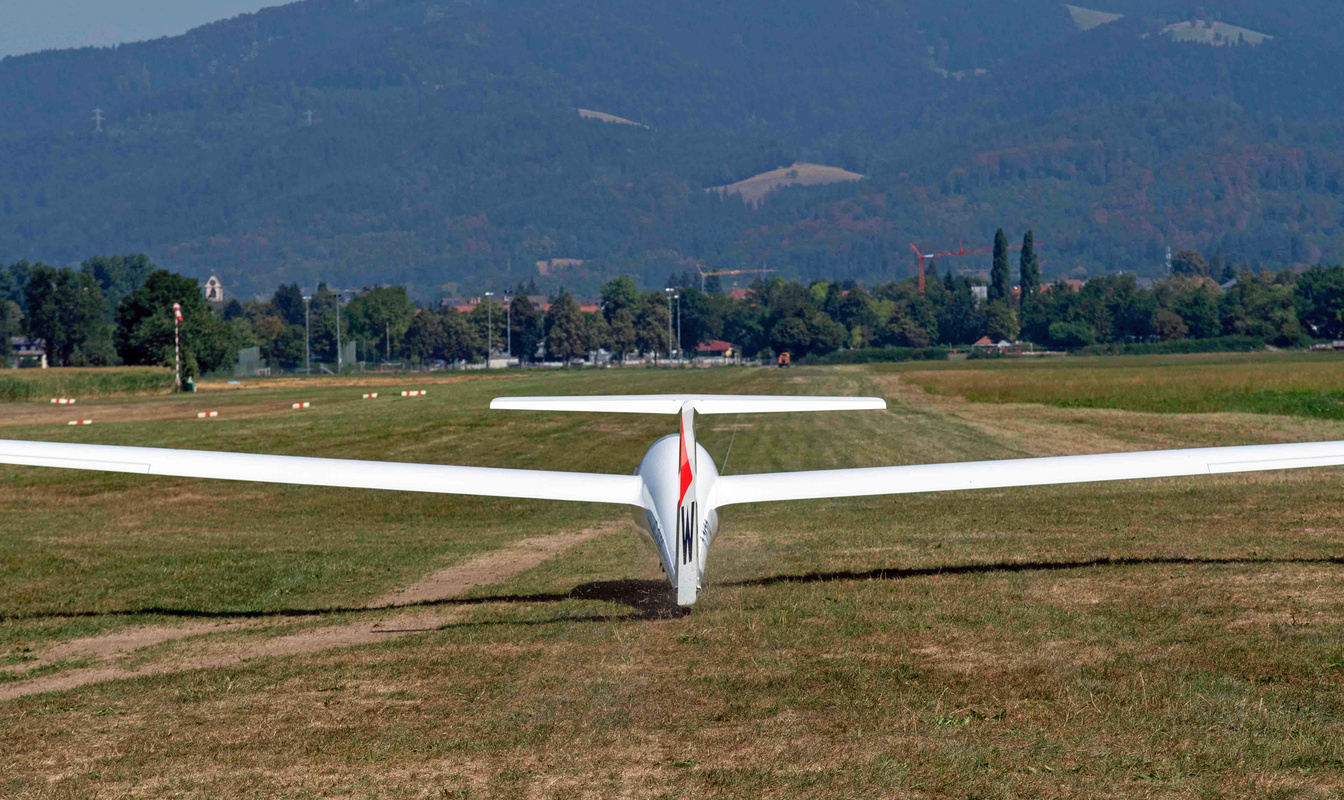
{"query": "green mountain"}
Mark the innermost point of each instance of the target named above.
(441, 144)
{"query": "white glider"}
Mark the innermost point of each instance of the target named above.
(677, 489)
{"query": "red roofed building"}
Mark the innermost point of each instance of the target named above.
(714, 348)
(739, 294)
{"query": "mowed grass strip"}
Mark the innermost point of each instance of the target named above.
(1157, 638)
(1298, 385)
(79, 383)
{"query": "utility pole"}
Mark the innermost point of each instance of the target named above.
(387, 329)
(338, 333)
(98, 120)
(307, 339)
(489, 327)
(508, 315)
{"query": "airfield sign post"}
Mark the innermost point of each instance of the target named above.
(177, 345)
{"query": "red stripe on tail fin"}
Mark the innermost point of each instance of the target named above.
(685, 467)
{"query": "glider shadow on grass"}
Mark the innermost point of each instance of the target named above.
(654, 600)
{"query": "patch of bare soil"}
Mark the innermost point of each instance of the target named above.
(489, 568)
(312, 641)
(444, 584)
(112, 645)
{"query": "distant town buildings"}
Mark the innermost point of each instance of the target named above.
(714, 349)
(468, 304)
(25, 352)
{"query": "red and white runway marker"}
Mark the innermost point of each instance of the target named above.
(301, 405)
(206, 414)
(63, 401)
(416, 393)
(80, 422)
(371, 396)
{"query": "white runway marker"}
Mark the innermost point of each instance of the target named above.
(80, 422)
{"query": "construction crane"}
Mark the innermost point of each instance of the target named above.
(704, 274)
(920, 258)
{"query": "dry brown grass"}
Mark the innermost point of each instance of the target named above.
(119, 648)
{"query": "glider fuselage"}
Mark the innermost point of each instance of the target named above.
(680, 524)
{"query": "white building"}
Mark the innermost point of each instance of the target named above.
(214, 290)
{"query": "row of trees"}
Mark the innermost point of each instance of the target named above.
(114, 310)
(117, 310)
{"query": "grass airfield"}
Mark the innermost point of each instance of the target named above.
(1162, 638)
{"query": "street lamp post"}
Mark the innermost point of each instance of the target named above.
(307, 339)
(668, 292)
(489, 327)
(681, 356)
(338, 333)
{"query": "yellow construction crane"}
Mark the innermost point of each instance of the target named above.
(704, 274)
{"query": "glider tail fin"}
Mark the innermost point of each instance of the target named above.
(690, 512)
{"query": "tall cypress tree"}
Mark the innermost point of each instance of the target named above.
(999, 277)
(1030, 269)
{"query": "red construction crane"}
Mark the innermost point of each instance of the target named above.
(920, 258)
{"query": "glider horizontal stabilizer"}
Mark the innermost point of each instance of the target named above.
(703, 403)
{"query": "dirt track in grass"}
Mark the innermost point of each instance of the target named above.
(209, 652)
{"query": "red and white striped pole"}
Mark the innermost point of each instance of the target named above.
(177, 344)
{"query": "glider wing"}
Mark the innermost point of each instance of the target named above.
(522, 483)
(732, 489)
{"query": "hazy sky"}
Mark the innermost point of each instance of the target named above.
(30, 25)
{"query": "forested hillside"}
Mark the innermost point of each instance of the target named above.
(439, 145)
